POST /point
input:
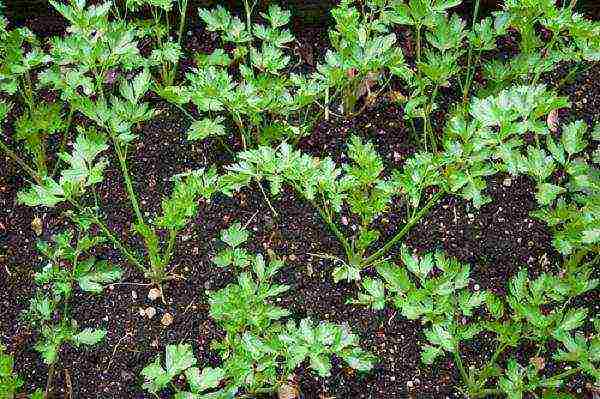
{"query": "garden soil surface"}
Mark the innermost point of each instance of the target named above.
(496, 240)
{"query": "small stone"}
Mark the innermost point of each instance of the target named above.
(154, 294)
(150, 312)
(37, 226)
(476, 287)
(552, 121)
(167, 320)
(539, 362)
(288, 390)
(507, 182)
(292, 257)
(134, 295)
(410, 384)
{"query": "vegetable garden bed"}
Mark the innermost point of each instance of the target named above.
(399, 200)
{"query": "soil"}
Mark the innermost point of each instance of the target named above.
(496, 240)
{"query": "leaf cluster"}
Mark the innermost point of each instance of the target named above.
(67, 268)
(259, 351)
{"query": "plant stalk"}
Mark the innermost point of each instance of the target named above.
(407, 227)
(11, 154)
(469, 81)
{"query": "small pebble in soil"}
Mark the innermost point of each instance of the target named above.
(154, 294)
(37, 226)
(166, 320)
(150, 312)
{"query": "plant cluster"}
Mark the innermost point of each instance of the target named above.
(260, 350)
(435, 290)
(505, 121)
(358, 186)
(68, 268)
(263, 99)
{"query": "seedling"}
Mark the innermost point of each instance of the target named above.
(180, 360)
(259, 351)
(168, 51)
(21, 56)
(365, 55)
(358, 185)
(434, 289)
(68, 269)
(87, 59)
(265, 102)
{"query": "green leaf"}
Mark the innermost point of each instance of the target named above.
(98, 275)
(438, 335)
(494, 305)
(321, 364)
(89, 337)
(235, 235)
(209, 378)
(469, 301)
(396, 277)
(155, 377)
(276, 16)
(512, 383)
(430, 353)
(179, 358)
(206, 127)
(546, 193)
(573, 319)
(573, 137)
(359, 359)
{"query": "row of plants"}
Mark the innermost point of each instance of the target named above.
(253, 89)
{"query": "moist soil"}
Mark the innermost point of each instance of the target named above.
(496, 240)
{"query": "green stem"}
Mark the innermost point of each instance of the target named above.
(111, 236)
(407, 227)
(128, 183)
(63, 141)
(170, 246)
(461, 368)
(563, 375)
(467, 86)
(18, 160)
(248, 10)
(545, 51)
(334, 229)
(119, 244)
(418, 49)
(480, 381)
(428, 127)
(182, 17)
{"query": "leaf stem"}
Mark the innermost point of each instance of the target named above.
(11, 154)
(127, 178)
(170, 246)
(111, 236)
(407, 227)
(333, 227)
(470, 76)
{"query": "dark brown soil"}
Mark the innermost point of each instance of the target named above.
(496, 240)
